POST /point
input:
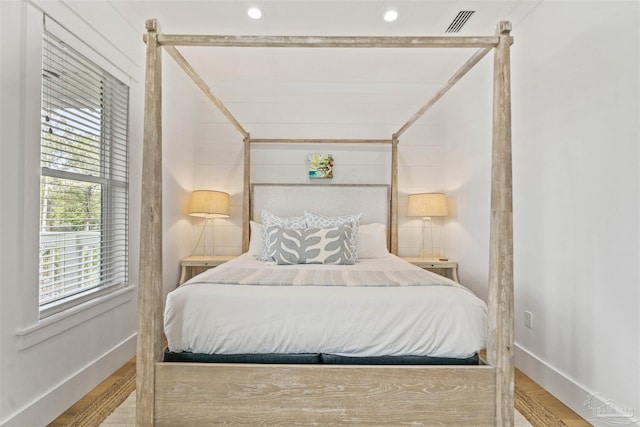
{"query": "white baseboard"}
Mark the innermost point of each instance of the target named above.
(70, 391)
(593, 407)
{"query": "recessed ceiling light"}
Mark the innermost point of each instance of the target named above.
(390, 15)
(254, 13)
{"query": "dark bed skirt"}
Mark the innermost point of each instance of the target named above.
(315, 358)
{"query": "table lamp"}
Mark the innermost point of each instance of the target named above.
(427, 205)
(209, 205)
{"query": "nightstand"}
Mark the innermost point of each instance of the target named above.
(448, 268)
(199, 263)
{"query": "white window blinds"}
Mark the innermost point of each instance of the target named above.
(84, 179)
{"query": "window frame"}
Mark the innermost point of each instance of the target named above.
(112, 204)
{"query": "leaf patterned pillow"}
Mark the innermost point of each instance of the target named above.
(270, 219)
(314, 220)
(311, 245)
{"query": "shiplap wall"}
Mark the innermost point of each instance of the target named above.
(218, 164)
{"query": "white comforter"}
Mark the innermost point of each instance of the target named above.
(440, 318)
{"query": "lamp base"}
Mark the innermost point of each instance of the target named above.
(431, 251)
(203, 233)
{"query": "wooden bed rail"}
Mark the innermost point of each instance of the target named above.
(328, 41)
(319, 141)
(450, 83)
(324, 395)
(191, 72)
(162, 388)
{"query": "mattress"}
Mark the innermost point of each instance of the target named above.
(421, 314)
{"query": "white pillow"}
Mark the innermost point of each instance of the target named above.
(314, 220)
(255, 239)
(270, 219)
(372, 241)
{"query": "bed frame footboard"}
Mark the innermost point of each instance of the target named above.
(196, 394)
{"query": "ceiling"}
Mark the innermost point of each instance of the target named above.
(377, 89)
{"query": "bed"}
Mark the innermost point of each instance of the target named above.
(380, 309)
(294, 392)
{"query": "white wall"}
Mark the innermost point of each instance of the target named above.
(219, 166)
(46, 366)
(467, 173)
(576, 198)
(179, 111)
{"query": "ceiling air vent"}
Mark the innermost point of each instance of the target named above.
(458, 22)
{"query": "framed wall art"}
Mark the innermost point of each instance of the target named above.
(320, 166)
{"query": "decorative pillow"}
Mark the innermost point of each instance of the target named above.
(255, 239)
(314, 220)
(372, 241)
(311, 245)
(269, 219)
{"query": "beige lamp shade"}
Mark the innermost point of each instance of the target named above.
(427, 205)
(209, 204)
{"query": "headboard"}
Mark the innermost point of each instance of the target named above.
(373, 200)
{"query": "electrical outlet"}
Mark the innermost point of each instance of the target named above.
(528, 319)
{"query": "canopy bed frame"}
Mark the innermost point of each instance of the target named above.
(247, 394)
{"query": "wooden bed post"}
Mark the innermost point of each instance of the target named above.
(500, 318)
(246, 190)
(149, 347)
(394, 196)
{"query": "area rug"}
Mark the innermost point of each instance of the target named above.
(116, 406)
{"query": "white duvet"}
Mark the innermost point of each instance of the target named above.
(440, 318)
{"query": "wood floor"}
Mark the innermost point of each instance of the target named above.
(546, 399)
(69, 414)
(525, 383)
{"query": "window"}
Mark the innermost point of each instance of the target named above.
(83, 181)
